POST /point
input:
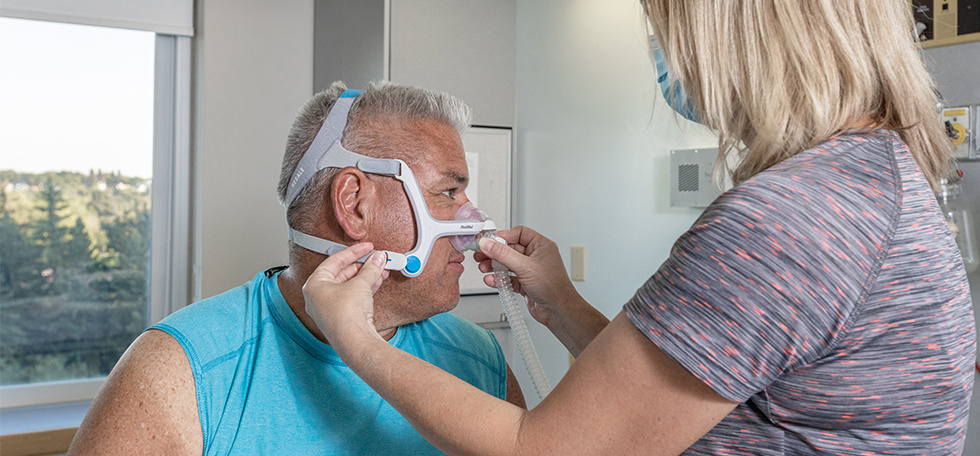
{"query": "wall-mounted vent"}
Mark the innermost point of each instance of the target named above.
(687, 178)
(690, 177)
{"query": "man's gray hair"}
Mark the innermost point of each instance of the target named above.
(382, 103)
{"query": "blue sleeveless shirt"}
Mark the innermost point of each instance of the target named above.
(265, 385)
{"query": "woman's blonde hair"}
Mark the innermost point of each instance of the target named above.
(777, 77)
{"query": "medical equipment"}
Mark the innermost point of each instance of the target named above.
(946, 22)
(672, 90)
(508, 298)
(326, 152)
(959, 220)
(961, 125)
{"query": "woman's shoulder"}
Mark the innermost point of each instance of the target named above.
(847, 175)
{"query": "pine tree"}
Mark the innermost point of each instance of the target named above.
(49, 234)
(20, 270)
(77, 246)
(129, 237)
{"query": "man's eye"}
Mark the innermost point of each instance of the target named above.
(451, 193)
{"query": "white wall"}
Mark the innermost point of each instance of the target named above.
(593, 137)
(253, 71)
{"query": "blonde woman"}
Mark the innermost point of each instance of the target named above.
(819, 306)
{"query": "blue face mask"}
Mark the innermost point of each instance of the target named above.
(673, 93)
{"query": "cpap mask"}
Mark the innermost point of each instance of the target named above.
(326, 152)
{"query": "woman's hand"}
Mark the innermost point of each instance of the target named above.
(340, 295)
(540, 272)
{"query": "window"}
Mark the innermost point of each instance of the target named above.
(75, 201)
(93, 200)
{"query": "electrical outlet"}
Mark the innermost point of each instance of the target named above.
(578, 263)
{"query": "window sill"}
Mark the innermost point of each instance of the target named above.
(40, 443)
(19, 420)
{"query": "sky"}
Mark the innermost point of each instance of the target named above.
(75, 98)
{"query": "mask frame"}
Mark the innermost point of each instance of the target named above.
(326, 152)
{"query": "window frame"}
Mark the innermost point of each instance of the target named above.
(170, 254)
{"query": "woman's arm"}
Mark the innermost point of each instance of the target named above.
(622, 395)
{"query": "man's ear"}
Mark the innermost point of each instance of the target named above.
(352, 194)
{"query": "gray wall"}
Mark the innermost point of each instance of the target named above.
(957, 72)
(348, 42)
(253, 70)
(463, 47)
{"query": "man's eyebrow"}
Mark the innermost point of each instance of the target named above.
(460, 179)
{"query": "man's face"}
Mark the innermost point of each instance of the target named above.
(434, 151)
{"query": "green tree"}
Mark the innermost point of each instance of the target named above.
(49, 232)
(20, 270)
(102, 203)
(126, 258)
(77, 246)
(129, 237)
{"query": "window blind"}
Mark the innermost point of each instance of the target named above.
(171, 17)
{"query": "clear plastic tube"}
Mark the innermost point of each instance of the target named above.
(522, 338)
(508, 299)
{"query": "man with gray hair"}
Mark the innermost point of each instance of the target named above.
(248, 371)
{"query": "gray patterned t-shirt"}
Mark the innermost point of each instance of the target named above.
(827, 295)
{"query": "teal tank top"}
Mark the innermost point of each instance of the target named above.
(265, 385)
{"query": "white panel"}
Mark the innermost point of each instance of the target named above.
(462, 47)
(255, 73)
(489, 190)
(350, 43)
(171, 17)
